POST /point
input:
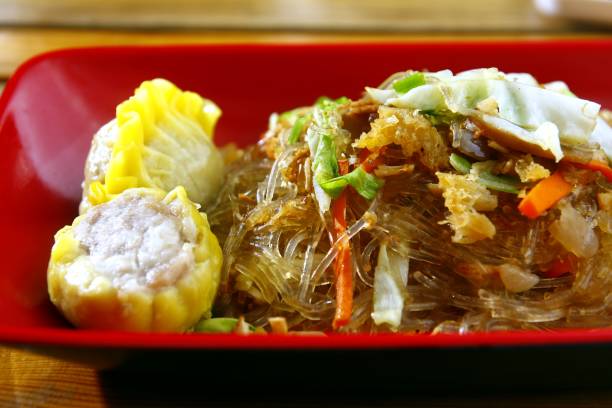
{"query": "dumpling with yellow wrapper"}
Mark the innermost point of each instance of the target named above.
(144, 261)
(141, 257)
(161, 137)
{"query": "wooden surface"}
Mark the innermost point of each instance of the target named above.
(354, 15)
(28, 27)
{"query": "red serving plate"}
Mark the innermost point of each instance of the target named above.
(55, 102)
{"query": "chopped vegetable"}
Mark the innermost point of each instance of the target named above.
(390, 280)
(561, 266)
(440, 117)
(278, 325)
(370, 161)
(290, 116)
(527, 113)
(360, 178)
(324, 136)
(488, 106)
(325, 101)
(516, 279)
(297, 129)
(325, 163)
(559, 86)
(405, 84)
(574, 231)
(544, 195)
(343, 267)
(226, 325)
(324, 167)
(216, 325)
(366, 184)
(460, 163)
(242, 327)
(502, 183)
(600, 167)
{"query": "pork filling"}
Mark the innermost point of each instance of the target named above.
(136, 242)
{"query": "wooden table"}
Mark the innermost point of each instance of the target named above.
(28, 27)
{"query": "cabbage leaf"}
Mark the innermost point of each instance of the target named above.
(522, 107)
(390, 280)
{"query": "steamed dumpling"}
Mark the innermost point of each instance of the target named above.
(144, 261)
(161, 137)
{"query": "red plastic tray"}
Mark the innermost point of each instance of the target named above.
(55, 102)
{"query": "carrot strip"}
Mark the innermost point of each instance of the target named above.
(344, 287)
(371, 160)
(561, 266)
(544, 195)
(343, 267)
(363, 155)
(597, 166)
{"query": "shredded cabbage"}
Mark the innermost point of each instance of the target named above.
(324, 136)
(320, 137)
(521, 103)
(407, 83)
(390, 280)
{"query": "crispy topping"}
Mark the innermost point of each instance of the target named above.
(464, 197)
(530, 171)
(410, 130)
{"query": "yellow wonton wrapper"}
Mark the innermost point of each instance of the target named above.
(161, 137)
(89, 299)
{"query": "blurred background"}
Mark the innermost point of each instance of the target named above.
(28, 27)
